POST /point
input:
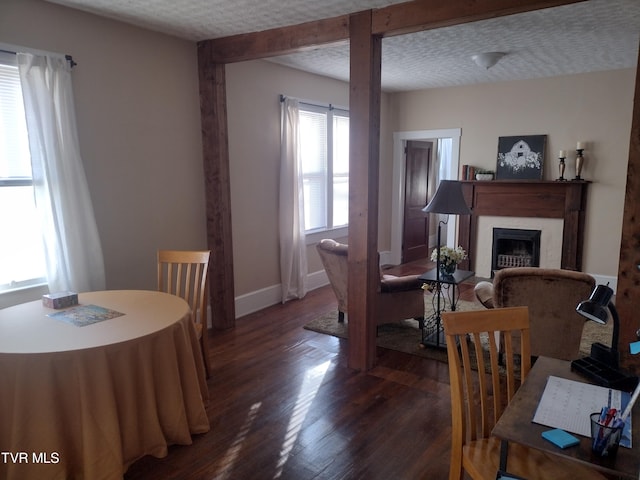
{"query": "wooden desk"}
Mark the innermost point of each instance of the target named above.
(515, 424)
(86, 402)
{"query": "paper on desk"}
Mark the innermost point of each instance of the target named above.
(567, 404)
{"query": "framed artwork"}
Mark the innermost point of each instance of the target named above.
(521, 157)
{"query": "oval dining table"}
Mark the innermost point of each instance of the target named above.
(85, 400)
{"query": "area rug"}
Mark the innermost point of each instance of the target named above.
(406, 337)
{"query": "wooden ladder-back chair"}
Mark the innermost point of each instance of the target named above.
(478, 398)
(184, 273)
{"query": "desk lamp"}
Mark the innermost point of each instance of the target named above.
(603, 363)
(448, 200)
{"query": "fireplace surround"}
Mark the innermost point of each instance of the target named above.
(541, 199)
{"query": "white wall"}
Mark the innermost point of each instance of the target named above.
(253, 110)
(567, 109)
(595, 107)
(138, 112)
(137, 103)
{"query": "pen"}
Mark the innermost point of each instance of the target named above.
(610, 415)
(632, 400)
(603, 413)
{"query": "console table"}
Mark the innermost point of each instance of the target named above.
(444, 291)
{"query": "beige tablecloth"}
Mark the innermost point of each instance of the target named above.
(90, 412)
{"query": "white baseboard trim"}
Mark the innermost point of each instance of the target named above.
(386, 258)
(266, 297)
(257, 300)
(317, 279)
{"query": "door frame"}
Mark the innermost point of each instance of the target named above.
(399, 170)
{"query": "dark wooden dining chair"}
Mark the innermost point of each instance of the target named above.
(184, 273)
(481, 389)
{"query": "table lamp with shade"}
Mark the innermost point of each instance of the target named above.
(603, 365)
(449, 200)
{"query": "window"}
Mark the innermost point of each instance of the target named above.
(324, 146)
(21, 247)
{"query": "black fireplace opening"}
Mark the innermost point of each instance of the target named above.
(515, 247)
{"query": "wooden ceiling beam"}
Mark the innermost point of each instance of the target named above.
(279, 41)
(398, 19)
(419, 15)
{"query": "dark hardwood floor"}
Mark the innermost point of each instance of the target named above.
(284, 405)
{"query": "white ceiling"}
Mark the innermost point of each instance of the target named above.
(590, 36)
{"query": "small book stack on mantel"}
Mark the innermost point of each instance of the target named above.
(468, 172)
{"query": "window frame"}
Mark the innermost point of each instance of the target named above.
(313, 236)
(15, 287)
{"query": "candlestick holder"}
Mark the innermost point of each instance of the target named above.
(561, 167)
(579, 163)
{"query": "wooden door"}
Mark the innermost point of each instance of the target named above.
(415, 235)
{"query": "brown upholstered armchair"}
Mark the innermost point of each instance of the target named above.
(397, 298)
(552, 296)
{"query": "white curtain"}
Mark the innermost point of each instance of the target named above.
(72, 246)
(293, 248)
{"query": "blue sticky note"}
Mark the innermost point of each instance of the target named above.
(635, 347)
(560, 438)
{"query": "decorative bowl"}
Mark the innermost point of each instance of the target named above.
(484, 176)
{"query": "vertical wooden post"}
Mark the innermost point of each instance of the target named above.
(213, 111)
(628, 291)
(364, 113)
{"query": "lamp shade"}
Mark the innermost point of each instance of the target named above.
(448, 199)
(596, 307)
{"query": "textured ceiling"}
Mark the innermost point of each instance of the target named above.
(589, 36)
(207, 19)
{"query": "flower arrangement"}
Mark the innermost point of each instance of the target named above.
(449, 256)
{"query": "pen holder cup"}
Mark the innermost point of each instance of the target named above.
(604, 439)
